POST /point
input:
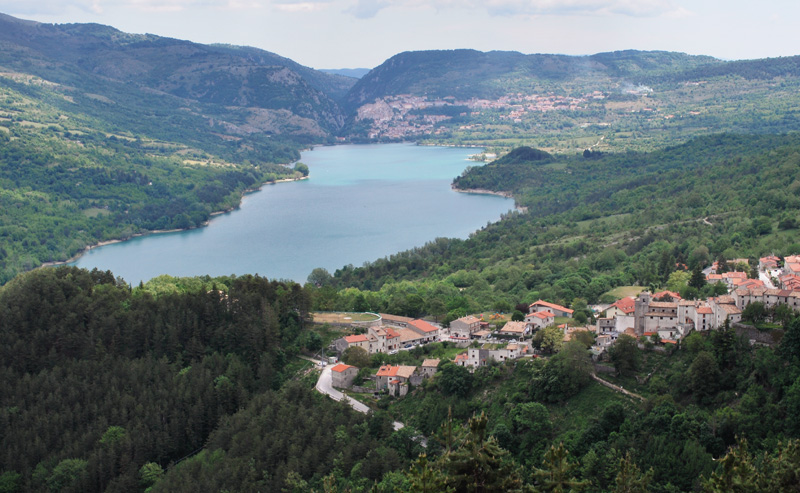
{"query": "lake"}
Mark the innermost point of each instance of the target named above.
(361, 203)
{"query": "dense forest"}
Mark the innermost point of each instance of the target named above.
(189, 385)
(101, 380)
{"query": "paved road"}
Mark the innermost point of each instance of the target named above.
(325, 386)
(767, 280)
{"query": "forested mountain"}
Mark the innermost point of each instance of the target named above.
(91, 57)
(465, 74)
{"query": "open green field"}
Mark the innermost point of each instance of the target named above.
(343, 317)
(623, 291)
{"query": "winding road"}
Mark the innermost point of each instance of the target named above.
(325, 386)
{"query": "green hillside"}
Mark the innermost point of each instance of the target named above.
(593, 223)
(243, 88)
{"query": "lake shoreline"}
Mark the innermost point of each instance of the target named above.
(482, 191)
(396, 196)
(99, 244)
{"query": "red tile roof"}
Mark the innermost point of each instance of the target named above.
(551, 305)
(358, 338)
(396, 371)
(391, 333)
(626, 304)
(387, 371)
(672, 294)
(423, 326)
(341, 367)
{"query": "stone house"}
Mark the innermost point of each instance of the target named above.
(540, 319)
(557, 310)
(465, 326)
(388, 373)
(515, 329)
(428, 332)
(429, 367)
(342, 375)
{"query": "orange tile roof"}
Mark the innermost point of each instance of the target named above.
(341, 367)
(672, 294)
(396, 371)
(542, 314)
(423, 326)
(705, 310)
(387, 371)
(551, 305)
(625, 304)
(358, 338)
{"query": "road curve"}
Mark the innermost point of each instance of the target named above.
(325, 386)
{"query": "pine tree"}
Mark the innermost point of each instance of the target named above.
(698, 280)
(735, 473)
(556, 473)
(630, 478)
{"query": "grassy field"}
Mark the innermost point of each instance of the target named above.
(342, 317)
(575, 413)
(623, 291)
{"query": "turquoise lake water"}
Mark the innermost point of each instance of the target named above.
(361, 203)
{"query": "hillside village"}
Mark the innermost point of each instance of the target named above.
(404, 115)
(660, 318)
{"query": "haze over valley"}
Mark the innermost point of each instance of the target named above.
(490, 262)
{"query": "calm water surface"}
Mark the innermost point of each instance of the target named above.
(360, 204)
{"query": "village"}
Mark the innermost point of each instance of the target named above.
(403, 116)
(659, 318)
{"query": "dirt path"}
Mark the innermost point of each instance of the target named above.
(617, 388)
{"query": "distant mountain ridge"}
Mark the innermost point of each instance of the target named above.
(92, 54)
(243, 91)
(471, 73)
(356, 73)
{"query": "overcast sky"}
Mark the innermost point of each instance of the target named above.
(364, 33)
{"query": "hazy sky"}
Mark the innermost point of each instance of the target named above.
(364, 33)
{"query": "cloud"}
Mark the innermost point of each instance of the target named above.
(364, 9)
(56, 7)
(300, 5)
